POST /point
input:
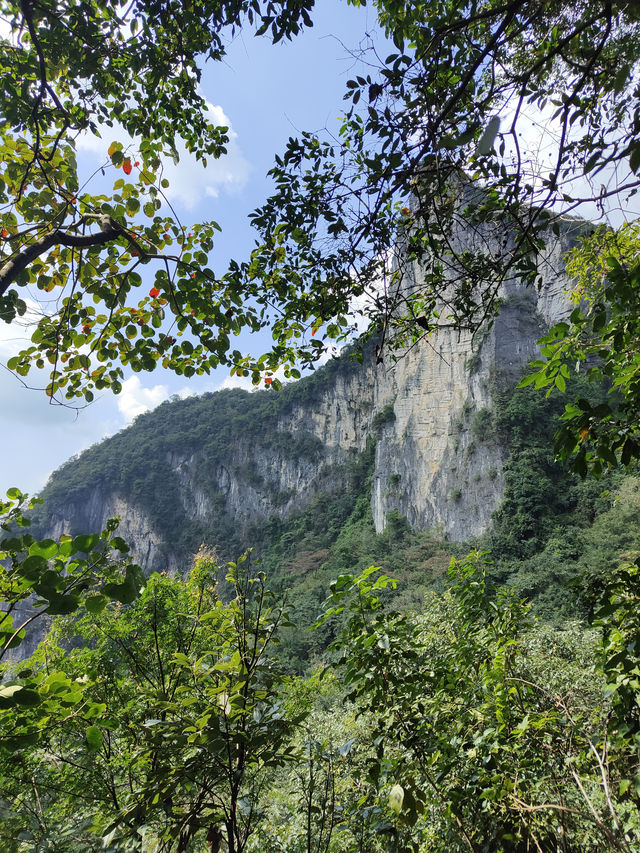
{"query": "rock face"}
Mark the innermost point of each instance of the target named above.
(135, 527)
(427, 410)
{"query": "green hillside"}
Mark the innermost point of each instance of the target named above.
(552, 532)
(135, 461)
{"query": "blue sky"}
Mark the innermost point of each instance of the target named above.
(266, 93)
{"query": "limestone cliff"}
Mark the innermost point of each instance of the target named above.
(434, 462)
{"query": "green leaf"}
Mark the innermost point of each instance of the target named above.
(95, 603)
(93, 737)
(33, 567)
(85, 543)
(62, 605)
(128, 590)
(529, 379)
(119, 544)
(47, 548)
(27, 698)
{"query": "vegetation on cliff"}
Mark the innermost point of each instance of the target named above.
(138, 464)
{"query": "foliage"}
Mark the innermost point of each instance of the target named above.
(435, 696)
(602, 339)
(540, 495)
(492, 740)
(315, 805)
(386, 415)
(163, 722)
(482, 425)
(414, 155)
(48, 578)
(555, 532)
(103, 68)
(615, 611)
(190, 724)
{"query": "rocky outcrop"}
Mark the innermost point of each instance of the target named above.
(436, 462)
(92, 514)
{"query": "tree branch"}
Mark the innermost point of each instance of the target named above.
(111, 230)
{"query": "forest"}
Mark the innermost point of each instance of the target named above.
(323, 688)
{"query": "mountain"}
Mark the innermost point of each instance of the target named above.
(215, 468)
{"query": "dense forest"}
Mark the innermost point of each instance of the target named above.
(336, 689)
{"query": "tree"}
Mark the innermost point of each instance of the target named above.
(186, 725)
(102, 68)
(429, 198)
(47, 578)
(495, 732)
(59, 573)
(321, 803)
(432, 137)
(416, 154)
(601, 339)
(78, 251)
(434, 141)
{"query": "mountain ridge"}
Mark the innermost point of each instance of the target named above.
(230, 460)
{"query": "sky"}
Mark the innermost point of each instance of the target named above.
(265, 94)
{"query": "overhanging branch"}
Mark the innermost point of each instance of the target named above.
(111, 230)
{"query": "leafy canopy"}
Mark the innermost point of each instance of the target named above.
(77, 248)
(57, 576)
(601, 339)
(433, 135)
(176, 723)
(494, 732)
(435, 138)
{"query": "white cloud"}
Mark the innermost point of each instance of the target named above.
(12, 340)
(234, 381)
(135, 399)
(330, 353)
(189, 180)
